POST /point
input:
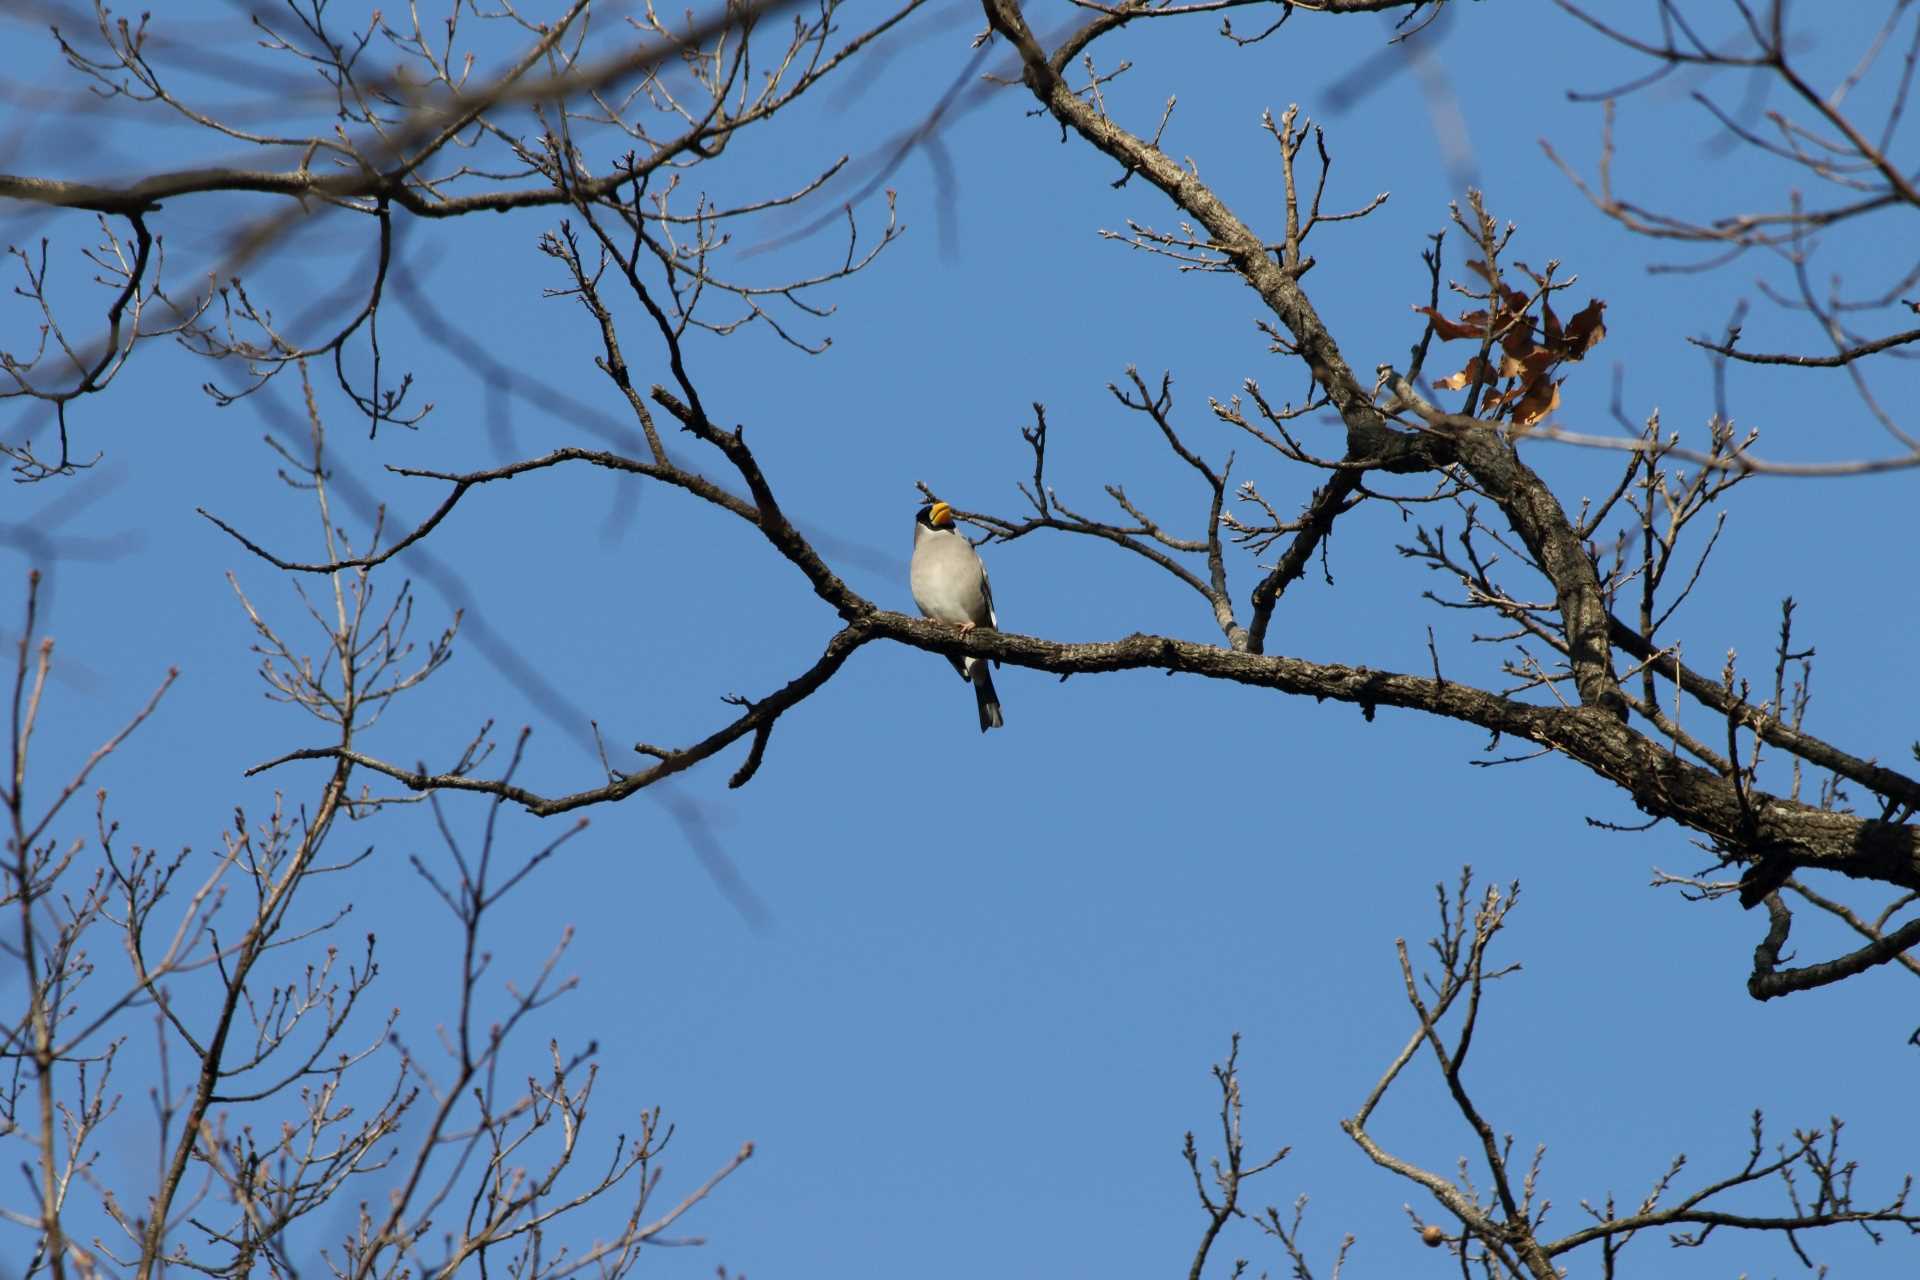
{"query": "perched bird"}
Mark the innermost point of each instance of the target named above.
(950, 585)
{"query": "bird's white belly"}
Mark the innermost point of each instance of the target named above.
(946, 586)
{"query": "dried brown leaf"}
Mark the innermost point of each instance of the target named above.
(1585, 330)
(1471, 325)
(1541, 399)
(1530, 364)
(1463, 378)
(1517, 341)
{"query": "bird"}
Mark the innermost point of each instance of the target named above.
(950, 585)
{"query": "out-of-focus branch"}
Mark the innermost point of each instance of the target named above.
(382, 164)
(391, 146)
(1113, 17)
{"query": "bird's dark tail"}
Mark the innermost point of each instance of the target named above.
(989, 700)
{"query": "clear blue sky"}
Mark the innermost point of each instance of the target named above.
(994, 970)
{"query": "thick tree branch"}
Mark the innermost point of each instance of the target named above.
(1769, 980)
(1747, 823)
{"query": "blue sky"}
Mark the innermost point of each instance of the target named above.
(993, 971)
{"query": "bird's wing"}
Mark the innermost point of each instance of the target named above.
(986, 593)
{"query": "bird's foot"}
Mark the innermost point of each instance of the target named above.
(967, 628)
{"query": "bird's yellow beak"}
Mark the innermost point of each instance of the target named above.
(941, 516)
